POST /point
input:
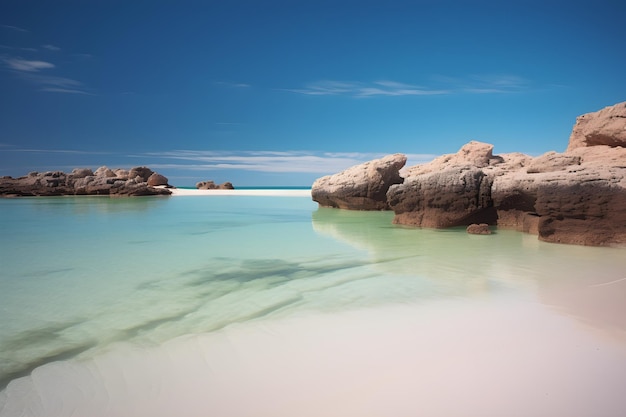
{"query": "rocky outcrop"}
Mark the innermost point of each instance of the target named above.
(155, 180)
(452, 197)
(576, 197)
(452, 190)
(604, 127)
(361, 187)
(83, 181)
(211, 185)
(478, 229)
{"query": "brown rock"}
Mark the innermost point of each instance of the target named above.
(80, 182)
(157, 179)
(473, 154)
(142, 172)
(81, 172)
(103, 171)
(210, 185)
(206, 185)
(361, 187)
(478, 229)
(604, 127)
(552, 161)
(576, 197)
(453, 197)
(585, 209)
(121, 174)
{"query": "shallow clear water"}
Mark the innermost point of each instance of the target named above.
(79, 276)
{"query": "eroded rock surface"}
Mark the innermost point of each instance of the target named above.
(604, 127)
(83, 181)
(211, 185)
(361, 187)
(576, 197)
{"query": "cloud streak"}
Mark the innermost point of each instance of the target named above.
(19, 64)
(267, 161)
(473, 84)
(14, 28)
(358, 89)
(33, 71)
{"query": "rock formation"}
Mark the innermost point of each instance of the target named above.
(138, 181)
(362, 187)
(576, 197)
(604, 127)
(478, 229)
(210, 185)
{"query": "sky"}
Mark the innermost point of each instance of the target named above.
(269, 92)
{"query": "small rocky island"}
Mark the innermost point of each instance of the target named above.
(138, 181)
(211, 185)
(575, 197)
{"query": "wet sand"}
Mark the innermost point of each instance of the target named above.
(492, 357)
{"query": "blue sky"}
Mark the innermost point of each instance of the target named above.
(282, 92)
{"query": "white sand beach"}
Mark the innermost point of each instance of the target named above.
(439, 359)
(240, 192)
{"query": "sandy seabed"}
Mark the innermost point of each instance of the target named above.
(504, 357)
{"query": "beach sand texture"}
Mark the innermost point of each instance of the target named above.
(259, 306)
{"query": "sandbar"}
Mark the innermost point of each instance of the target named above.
(241, 192)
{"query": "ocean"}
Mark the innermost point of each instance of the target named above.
(244, 305)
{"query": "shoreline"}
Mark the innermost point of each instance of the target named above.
(240, 192)
(313, 365)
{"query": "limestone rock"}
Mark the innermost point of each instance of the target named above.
(361, 187)
(604, 127)
(478, 229)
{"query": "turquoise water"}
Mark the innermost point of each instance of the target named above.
(80, 275)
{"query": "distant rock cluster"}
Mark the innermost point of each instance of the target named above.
(210, 185)
(576, 197)
(138, 181)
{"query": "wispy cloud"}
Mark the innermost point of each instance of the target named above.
(486, 84)
(33, 71)
(266, 161)
(231, 84)
(14, 28)
(19, 64)
(51, 47)
(438, 85)
(39, 72)
(195, 162)
(12, 148)
(54, 84)
(358, 89)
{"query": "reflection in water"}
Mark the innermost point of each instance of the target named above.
(583, 282)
